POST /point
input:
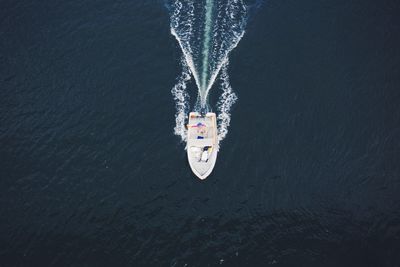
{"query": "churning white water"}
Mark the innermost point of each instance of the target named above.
(207, 31)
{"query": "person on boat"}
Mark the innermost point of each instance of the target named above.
(202, 130)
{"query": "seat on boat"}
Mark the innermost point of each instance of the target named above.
(204, 155)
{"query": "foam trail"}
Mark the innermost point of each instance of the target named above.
(206, 31)
(182, 27)
(205, 53)
(181, 98)
(225, 102)
(231, 20)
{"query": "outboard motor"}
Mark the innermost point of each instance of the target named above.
(203, 112)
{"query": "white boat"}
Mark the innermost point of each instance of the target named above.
(202, 143)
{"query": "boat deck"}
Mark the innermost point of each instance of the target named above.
(202, 144)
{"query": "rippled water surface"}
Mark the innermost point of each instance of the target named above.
(91, 173)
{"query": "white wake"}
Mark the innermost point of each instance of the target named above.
(181, 97)
(207, 31)
(224, 105)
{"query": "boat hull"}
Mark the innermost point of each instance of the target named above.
(202, 143)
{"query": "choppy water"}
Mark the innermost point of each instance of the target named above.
(93, 175)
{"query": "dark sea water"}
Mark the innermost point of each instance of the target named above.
(91, 173)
